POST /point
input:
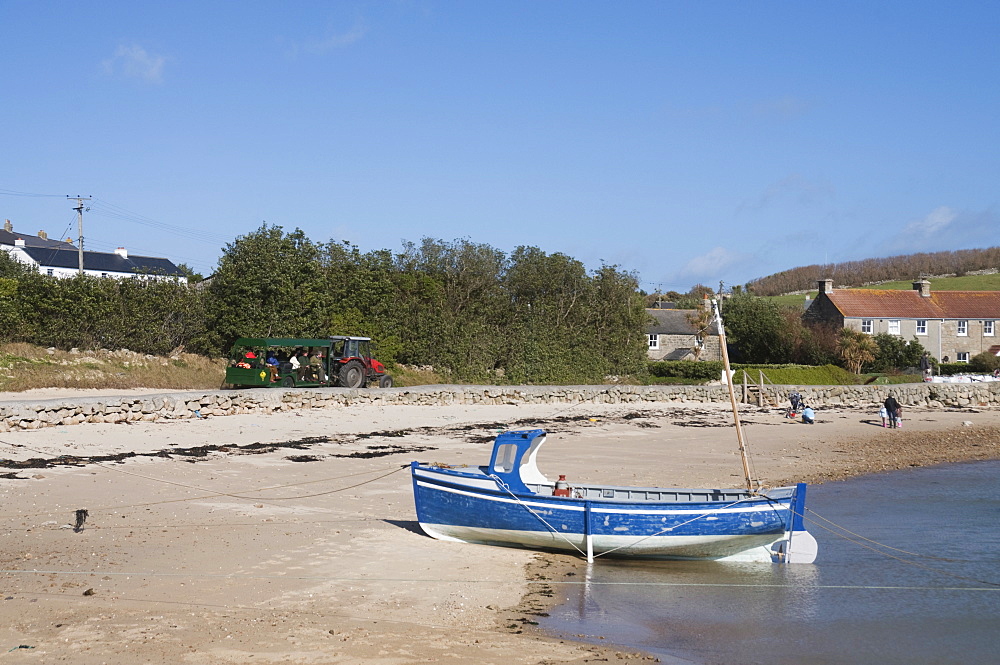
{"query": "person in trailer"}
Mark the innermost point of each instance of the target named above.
(272, 365)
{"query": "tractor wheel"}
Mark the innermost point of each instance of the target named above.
(385, 381)
(288, 382)
(352, 375)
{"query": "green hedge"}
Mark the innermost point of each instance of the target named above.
(950, 369)
(792, 375)
(799, 375)
(686, 369)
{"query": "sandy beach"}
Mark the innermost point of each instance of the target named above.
(290, 538)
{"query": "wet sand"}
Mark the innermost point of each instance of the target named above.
(290, 538)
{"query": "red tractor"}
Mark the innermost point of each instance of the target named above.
(352, 364)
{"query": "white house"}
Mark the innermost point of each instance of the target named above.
(62, 259)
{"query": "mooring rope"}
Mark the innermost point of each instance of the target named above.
(900, 559)
(869, 540)
(693, 519)
(504, 486)
(541, 519)
(215, 493)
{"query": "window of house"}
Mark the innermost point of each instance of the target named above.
(962, 357)
(894, 327)
(921, 326)
(49, 272)
(654, 342)
(963, 328)
(988, 328)
(866, 326)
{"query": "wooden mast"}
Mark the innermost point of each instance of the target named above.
(727, 377)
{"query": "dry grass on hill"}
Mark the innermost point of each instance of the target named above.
(25, 367)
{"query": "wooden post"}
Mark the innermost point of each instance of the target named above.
(744, 455)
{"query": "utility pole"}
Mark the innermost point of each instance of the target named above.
(79, 218)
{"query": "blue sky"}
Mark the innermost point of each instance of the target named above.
(686, 141)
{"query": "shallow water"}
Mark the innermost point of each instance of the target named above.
(934, 599)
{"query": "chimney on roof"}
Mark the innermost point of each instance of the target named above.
(7, 226)
(18, 242)
(121, 252)
(43, 235)
(825, 285)
(69, 240)
(923, 287)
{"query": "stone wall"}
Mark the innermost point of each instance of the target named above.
(27, 415)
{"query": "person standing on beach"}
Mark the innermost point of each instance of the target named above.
(892, 409)
(925, 365)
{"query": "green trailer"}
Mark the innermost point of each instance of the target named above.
(339, 360)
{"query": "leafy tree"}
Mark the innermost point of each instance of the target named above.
(856, 349)
(193, 276)
(755, 327)
(895, 353)
(546, 335)
(701, 320)
(462, 316)
(10, 311)
(617, 320)
(268, 284)
(359, 295)
(814, 344)
(11, 267)
(984, 362)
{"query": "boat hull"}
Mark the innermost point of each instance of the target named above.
(729, 526)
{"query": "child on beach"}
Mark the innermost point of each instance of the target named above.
(899, 417)
(884, 415)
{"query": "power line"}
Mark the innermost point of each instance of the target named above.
(113, 211)
(10, 192)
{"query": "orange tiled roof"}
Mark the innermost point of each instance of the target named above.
(890, 303)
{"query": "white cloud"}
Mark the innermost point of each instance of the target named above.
(340, 40)
(934, 223)
(783, 107)
(133, 61)
(946, 228)
(710, 265)
(332, 40)
(794, 189)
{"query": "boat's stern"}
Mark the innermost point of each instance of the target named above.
(798, 545)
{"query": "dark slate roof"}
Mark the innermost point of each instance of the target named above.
(890, 303)
(59, 257)
(8, 238)
(675, 322)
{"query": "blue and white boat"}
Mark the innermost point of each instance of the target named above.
(509, 502)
